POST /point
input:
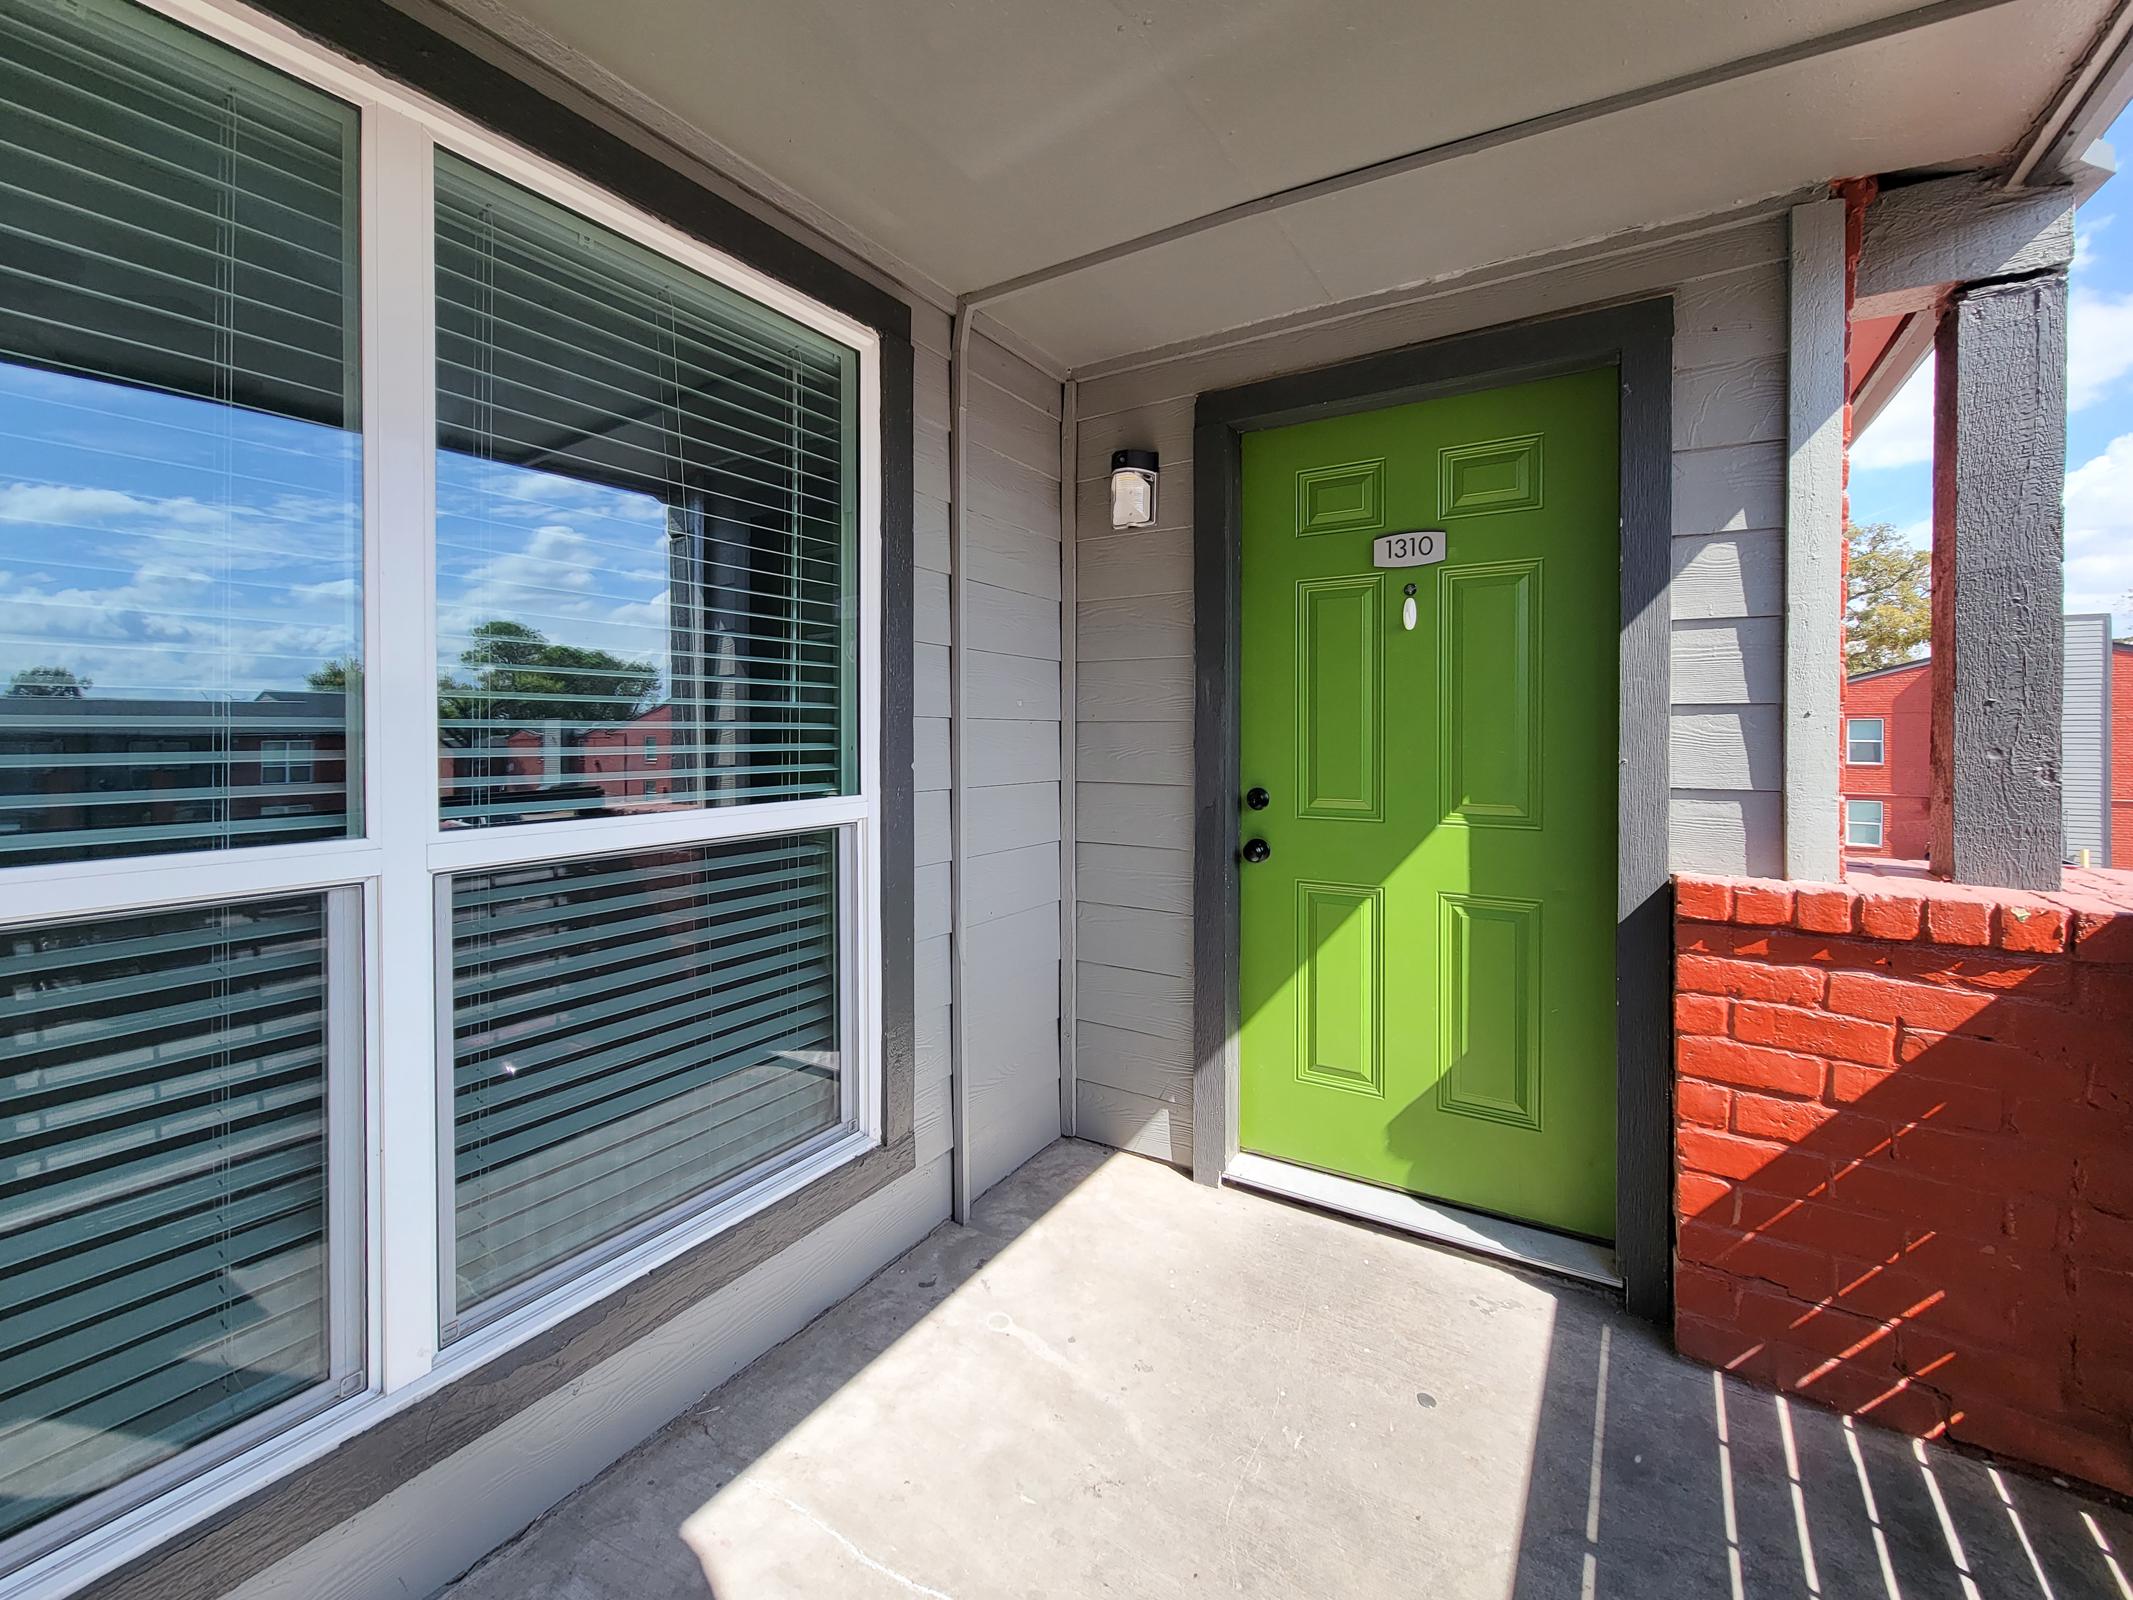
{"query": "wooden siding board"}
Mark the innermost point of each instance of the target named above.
(1134, 691)
(1134, 813)
(1143, 562)
(1157, 1003)
(1010, 816)
(1005, 750)
(1134, 1123)
(1012, 688)
(1152, 941)
(1134, 752)
(1729, 662)
(1724, 575)
(1133, 875)
(1729, 488)
(1734, 747)
(1139, 628)
(1009, 623)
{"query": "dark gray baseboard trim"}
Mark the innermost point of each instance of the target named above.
(1636, 339)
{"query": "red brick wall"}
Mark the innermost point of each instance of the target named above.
(1904, 1158)
(1903, 783)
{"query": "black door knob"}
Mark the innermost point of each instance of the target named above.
(1256, 851)
(1258, 799)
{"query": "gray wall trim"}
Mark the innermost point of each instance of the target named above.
(1814, 541)
(1999, 478)
(1637, 339)
(1925, 236)
(958, 764)
(1069, 747)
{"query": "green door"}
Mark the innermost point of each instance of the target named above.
(1427, 964)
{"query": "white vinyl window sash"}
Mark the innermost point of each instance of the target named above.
(1863, 742)
(1863, 822)
(389, 885)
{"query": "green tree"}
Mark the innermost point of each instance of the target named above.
(1888, 617)
(521, 679)
(339, 673)
(48, 683)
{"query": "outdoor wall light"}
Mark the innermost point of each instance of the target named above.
(1133, 488)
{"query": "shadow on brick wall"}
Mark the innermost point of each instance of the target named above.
(1904, 1162)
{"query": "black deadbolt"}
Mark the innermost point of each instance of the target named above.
(1257, 799)
(1255, 850)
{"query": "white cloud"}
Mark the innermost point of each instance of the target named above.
(1902, 435)
(2099, 530)
(2099, 344)
(2087, 225)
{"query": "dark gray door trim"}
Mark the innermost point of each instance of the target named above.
(1637, 340)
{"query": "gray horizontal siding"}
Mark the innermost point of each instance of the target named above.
(1133, 628)
(1011, 762)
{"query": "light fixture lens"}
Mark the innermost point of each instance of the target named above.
(1133, 474)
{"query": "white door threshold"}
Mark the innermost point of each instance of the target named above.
(1473, 1231)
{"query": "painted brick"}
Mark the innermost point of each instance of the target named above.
(2042, 929)
(1919, 1209)
(1698, 1194)
(1870, 1044)
(1824, 910)
(1745, 1066)
(1747, 980)
(1767, 905)
(1761, 1116)
(1891, 916)
(1958, 921)
(1705, 1104)
(1723, 1155)
(2091, 1453)
(2104, 936)
(1701, 900)
(1700, 1013)
(2050, 982)
(1896, 1098)
(1916, 1005)
(1807, 1273)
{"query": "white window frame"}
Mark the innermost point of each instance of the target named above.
(1881, 746)
(400, 869)
(1853, 822)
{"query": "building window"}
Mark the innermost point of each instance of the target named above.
(630, 489)
(285, 760)
(1863, 823)
(1862, 741)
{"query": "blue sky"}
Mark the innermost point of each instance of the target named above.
(1891, 460)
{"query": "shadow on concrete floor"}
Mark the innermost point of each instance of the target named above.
(1116, 1382)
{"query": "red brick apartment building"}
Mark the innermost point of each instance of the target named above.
(1887, 760)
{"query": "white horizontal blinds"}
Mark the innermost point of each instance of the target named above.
(646, 561)
(628, 1032)
(162, 1187)
(180, 473)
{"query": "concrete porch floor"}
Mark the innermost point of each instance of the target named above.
(1119, 1383)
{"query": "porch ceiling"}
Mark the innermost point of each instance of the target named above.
(978, 143)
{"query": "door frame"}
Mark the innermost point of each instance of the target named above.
(1637, 340)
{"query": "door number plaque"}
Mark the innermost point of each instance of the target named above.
(1422, 548)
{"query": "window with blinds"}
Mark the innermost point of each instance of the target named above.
(164, 1270)
(645, 526)
(629, 1032)
(180, 466)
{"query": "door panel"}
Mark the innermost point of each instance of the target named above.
(1427, 963)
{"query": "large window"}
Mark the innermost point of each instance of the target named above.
(437, 818)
